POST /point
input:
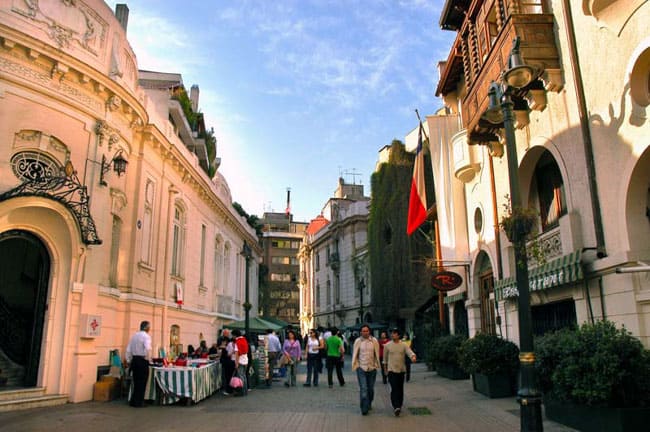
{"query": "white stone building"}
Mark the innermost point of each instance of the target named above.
(87, 252)
(334, 270)
(583, 149)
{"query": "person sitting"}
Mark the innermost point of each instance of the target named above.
(202, 350)
(190, 351)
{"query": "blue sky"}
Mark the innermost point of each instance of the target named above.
(298, 91)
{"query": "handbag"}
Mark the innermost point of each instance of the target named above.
(236, 382)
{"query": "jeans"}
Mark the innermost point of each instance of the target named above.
(396, 380)
(331, 363)
(314, 366)
(366, 381)
(241, 372)
(291, 371)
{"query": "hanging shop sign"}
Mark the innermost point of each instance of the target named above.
(446, 280)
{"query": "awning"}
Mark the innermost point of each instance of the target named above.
(560, 271)
(454, 298)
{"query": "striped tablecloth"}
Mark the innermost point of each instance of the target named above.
(169, 385)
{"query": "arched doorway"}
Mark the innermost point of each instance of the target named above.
(485, 278)
(24, 276)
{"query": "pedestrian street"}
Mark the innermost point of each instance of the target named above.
(431, 404)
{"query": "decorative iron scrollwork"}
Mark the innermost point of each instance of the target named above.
(60, 185)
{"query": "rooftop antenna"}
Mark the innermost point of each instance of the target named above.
(353, 172)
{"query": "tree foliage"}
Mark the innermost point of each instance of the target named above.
(253, 220)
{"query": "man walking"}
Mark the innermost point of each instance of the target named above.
(138, 352)
(273, 348)
(335, 351)
(395, 353)
(365, 361)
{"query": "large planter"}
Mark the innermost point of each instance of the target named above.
(494, 386)
(593, 418)
(451, 371)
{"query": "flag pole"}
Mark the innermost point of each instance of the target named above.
(438, 250)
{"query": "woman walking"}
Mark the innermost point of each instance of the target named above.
(292, 353)
(314, 363)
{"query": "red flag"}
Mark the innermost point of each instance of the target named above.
(418, 198)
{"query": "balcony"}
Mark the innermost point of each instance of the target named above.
(480, 53)
(465, 158)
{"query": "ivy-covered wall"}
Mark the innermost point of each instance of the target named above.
(400, 279)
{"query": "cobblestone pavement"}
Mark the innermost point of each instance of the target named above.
(431, 404)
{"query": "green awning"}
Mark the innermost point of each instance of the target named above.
(560, 271)
(454, 298)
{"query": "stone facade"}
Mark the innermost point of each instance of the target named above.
(335, 282)
(159, 241)
(594, 222)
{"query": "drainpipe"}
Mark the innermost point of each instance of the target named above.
(586, 132)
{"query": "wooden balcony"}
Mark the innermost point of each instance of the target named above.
(538, 49)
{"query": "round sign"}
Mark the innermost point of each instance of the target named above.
(446, 280)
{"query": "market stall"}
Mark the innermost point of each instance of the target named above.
(194, 382)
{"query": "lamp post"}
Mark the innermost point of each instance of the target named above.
(246, 253)
(362, 286)
(518, 76)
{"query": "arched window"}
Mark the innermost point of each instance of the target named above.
(226, 269)
(547, 191)
(178, 240)
(218, 265)
(147, 220)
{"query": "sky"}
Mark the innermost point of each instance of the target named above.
(299, 92)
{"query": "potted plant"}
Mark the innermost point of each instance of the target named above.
(493, 363)
(444, 355)
(595, 378)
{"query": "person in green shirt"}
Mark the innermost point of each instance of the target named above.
(335, 351)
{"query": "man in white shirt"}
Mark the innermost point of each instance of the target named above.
(365, 361)
(273, 348)
(138, 352)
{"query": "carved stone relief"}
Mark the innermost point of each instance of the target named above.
(65, 22)
(32, 139)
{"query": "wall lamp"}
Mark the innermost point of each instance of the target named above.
(119, 166)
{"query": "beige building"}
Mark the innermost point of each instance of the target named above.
(335, 275)
(583, 146)
(107, 214)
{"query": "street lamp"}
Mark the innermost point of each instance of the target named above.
(362, 286)
(246, 253)
(500, 109)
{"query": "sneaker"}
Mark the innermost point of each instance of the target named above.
(397, 412)
(225, 393)
(306, 385)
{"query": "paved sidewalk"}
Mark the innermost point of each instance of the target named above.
(431, 404)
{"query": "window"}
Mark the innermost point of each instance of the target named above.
(115, 250)
(280, 260)
(295, 245)
(147, 220)
(202, 263)
(317, 294)
(280, 277)
(34, 166)
(178, 233)
(328, 292)
(549, 188)
(226, 269)
(317, 264)
(281, 244)
(218, 265)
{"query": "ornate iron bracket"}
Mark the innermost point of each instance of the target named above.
(66, 189)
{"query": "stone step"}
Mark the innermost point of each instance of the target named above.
(21, 393)
(33, 402)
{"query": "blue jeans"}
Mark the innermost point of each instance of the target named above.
(314, 365)
(366, 388)
(241, 372)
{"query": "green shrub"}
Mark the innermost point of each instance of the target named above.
(488, 354)
(596, 364)
(445, 349)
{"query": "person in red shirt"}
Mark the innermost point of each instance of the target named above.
(241, 358)
(383, 340)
